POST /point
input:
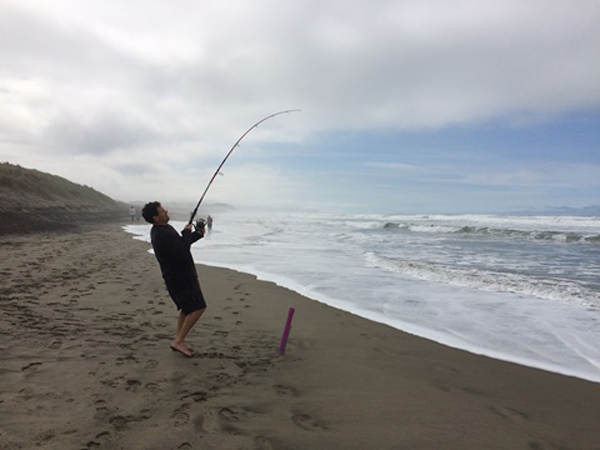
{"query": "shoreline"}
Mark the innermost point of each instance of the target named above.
(448, 339)
(486, 353)
(86, 323)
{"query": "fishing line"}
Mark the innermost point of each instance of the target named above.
(229, 153)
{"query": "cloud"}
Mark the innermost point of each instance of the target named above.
(101, 136)
(564, 175)
(173, 84)
(383, 64)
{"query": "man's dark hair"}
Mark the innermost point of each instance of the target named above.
(150, 210)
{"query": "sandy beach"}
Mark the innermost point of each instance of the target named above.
(85, 325)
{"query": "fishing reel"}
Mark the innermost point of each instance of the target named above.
(200, 225)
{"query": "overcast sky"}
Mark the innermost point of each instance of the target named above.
(408, 106)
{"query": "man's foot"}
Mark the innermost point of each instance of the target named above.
(181, 348)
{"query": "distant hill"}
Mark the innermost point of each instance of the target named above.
(587, 211)
(592, 210)
(31, 200)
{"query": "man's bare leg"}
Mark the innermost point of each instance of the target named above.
(184, 324)
(180, 321)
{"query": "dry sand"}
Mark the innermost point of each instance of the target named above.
(85, 326)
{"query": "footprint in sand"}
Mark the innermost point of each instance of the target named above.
(55, 345)
(220, 377)
(180, 419)
(198, 396)
(510, 414)
(31, 366)
(229, 415)
(152, 364)
(307, 422)
(153, 387)
(45, 437)
(286, 390)
(228, 419)
(119, 423)
(100, 440)
(101, 408)
(103, 435)
(133, 385)
(263, 443)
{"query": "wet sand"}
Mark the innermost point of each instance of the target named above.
(85, 327)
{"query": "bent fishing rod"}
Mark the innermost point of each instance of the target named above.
(237, 143)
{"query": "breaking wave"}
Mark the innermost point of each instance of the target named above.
(488, 280)
(484, 231)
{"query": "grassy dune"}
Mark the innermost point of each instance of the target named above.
(31, 201)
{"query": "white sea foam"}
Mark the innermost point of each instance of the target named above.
(487, 284)
(487, 280)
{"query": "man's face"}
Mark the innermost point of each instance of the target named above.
(163, 216)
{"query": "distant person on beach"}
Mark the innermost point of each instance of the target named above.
(172, 250)
(209, 221)
(132, 213)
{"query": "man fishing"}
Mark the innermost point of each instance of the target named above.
(176, 263)
(172, 250)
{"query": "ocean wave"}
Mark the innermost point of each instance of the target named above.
(484, 231)
(542, 235)
(488, 280)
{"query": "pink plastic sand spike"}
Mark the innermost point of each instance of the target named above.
(286, 331)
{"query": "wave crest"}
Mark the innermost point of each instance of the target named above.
(537, 235)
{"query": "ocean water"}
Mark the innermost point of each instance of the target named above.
(524, 289)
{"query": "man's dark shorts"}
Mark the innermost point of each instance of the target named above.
(189, 301)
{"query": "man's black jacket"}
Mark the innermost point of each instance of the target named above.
(173, 253)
